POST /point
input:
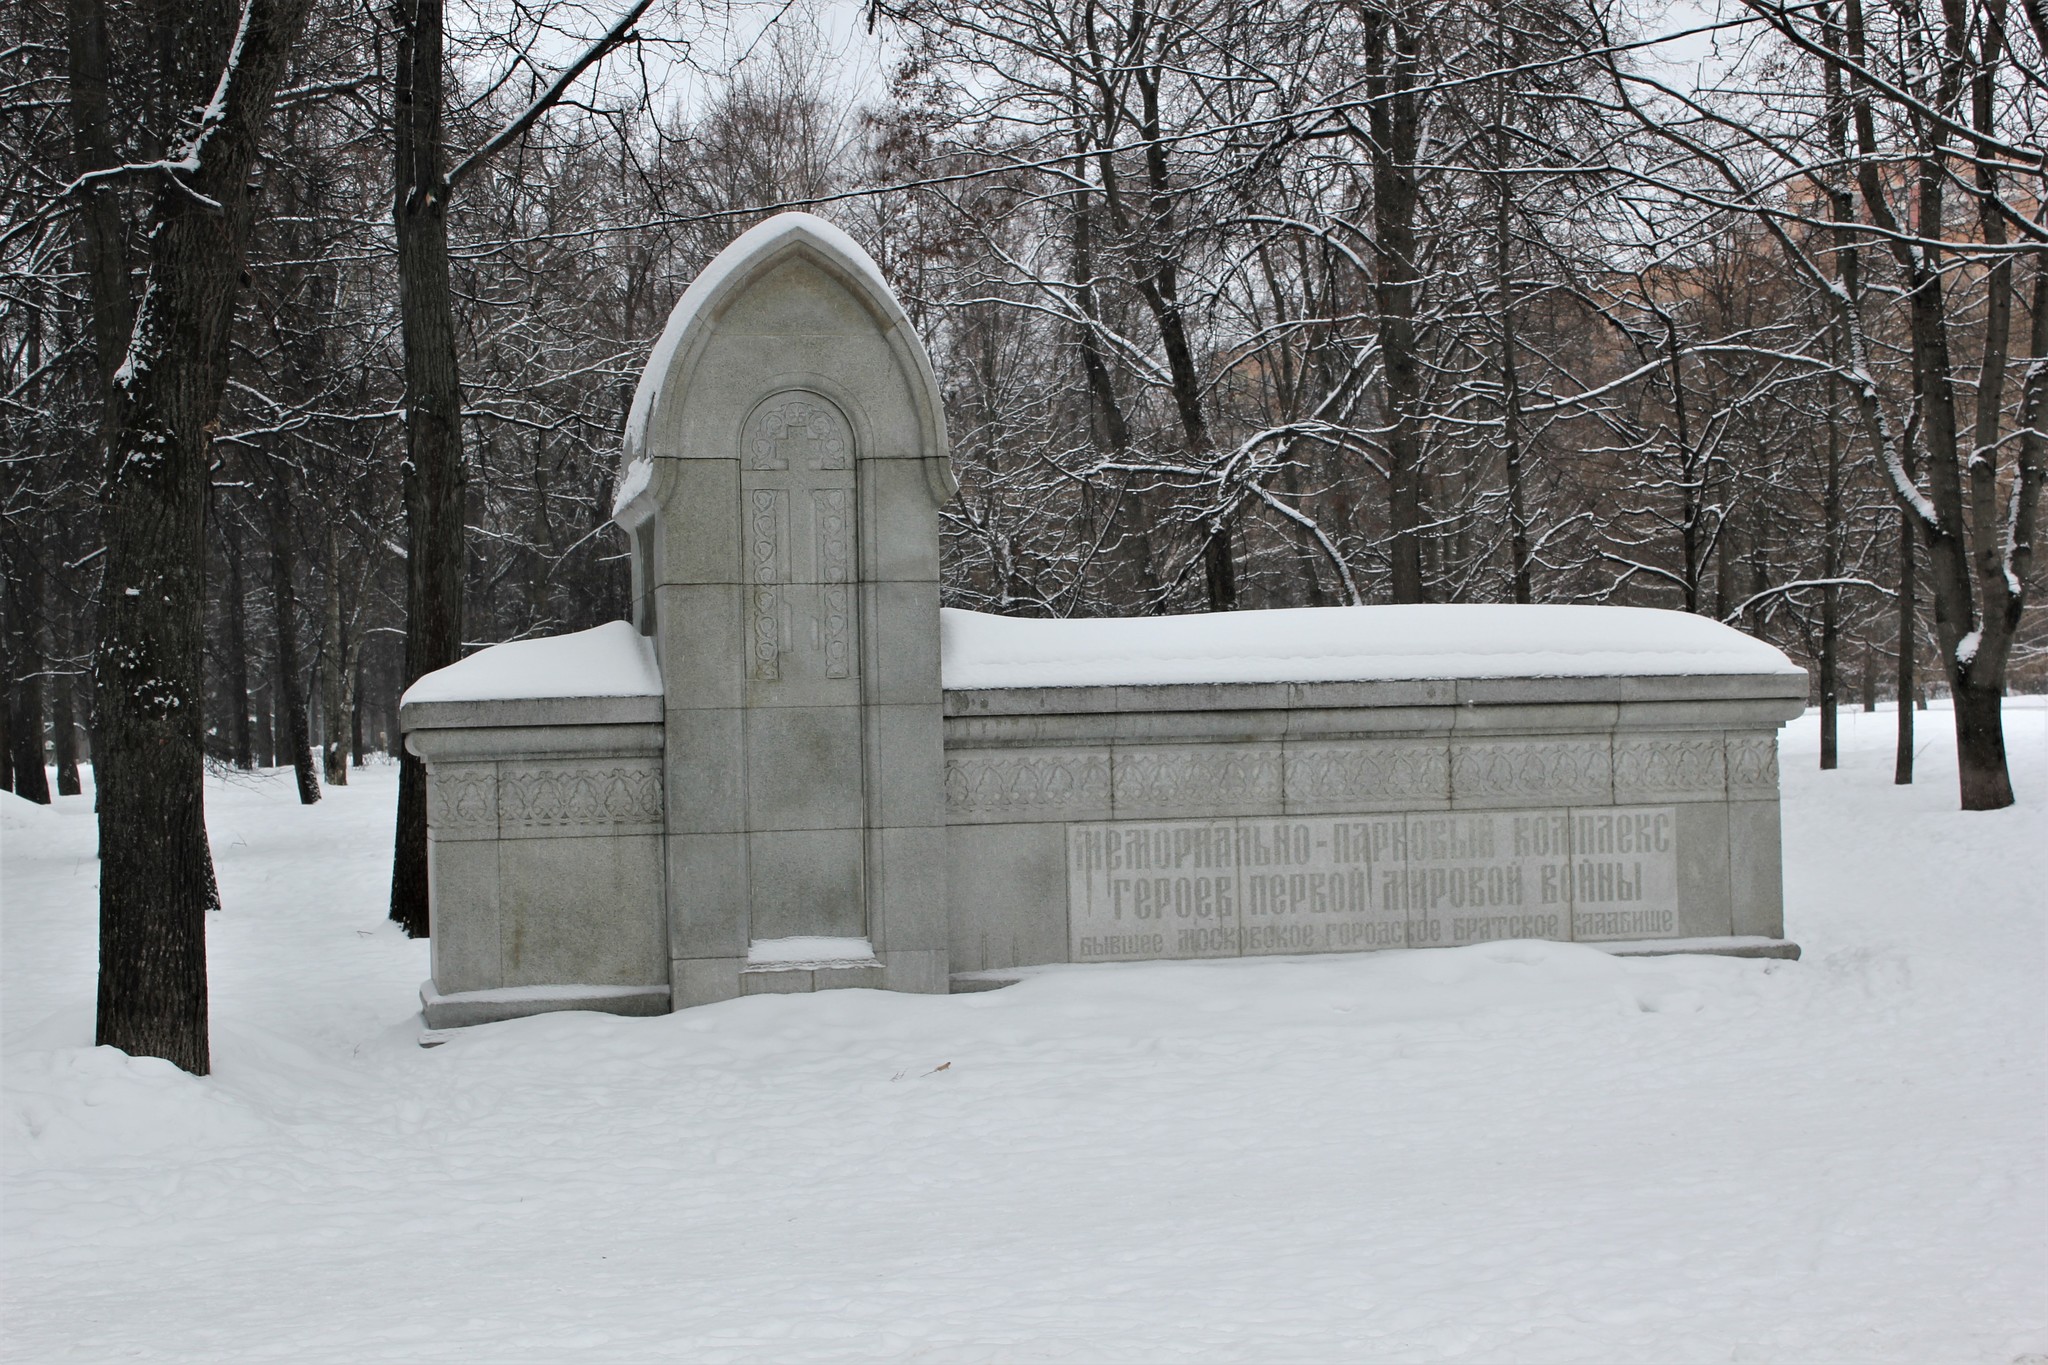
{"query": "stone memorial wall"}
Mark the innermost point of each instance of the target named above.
(793, 772)
(1235, 819)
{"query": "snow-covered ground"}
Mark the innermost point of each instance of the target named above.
(1515, 1152)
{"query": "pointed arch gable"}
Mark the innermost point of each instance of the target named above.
(753, 257)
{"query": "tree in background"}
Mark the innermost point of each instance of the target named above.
(1912, 135)
(435, 476)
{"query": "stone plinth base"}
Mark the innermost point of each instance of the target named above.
(461, 1008)
(1750, 945)
(821, 976)
(1747, 945)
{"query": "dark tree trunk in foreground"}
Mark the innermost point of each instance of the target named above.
(1980, 737)
(156, 879)
(434, 474)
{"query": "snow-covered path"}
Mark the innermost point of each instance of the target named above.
(1517, 1152)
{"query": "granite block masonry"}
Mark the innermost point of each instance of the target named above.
(791, 771)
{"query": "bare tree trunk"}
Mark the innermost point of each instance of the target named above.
(1902, 760)
(1977, 665)
(390, 736)
(540, 538)
(1727, 558)
(1831, 594)
(316, 721)
(291, 687)
(1977, 596)
(239, 752)
(1161, 292)
(1511, 410)
(63, 700)
(1111, 427)
(156, 872)
(1219, 566)
(25, 667)
(1395, 123)
(1692, 485)
(1512, 440)
(102, 234)
(434, 475)
(22, 629)
(1829, 702)
(1980, 740)
(1158, 284)
(266, 725)
(336, 676)
(25, 736)
(355, 713)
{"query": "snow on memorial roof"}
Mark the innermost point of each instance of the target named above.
(1346, 644)
(759, 241)
(614, 660)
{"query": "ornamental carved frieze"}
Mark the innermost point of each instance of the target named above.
(798, 431)
(833, 556)
(767, 515)
(574, 796)
(1753, 765)
(1370, 773)
(1551, 770)
(832, 521)
(1656, 766)
(1027, 784)
(464, 800)
(1198, 777)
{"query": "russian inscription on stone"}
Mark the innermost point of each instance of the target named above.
(1230, 888)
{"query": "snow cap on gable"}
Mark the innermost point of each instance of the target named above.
(713, 291)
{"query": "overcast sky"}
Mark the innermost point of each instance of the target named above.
(722, 34)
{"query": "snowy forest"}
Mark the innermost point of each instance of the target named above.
(1236, 304)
